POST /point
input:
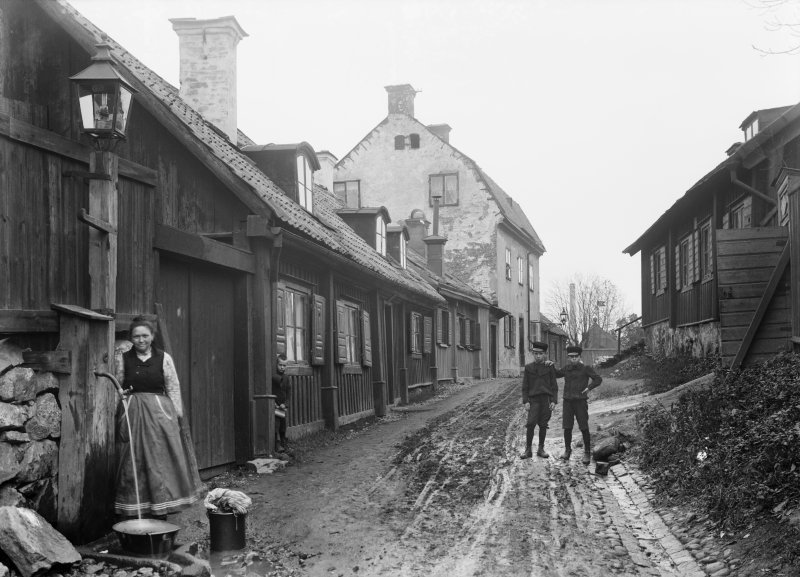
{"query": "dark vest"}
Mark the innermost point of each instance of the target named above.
(144, 376)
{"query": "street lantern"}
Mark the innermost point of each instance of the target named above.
(563, 317)
(105, 99)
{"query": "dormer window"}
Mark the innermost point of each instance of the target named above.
(305, 183)
(348, 191)
(403, 253)
(380, 235)
(751, 129)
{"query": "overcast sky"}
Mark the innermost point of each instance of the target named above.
(594, 115)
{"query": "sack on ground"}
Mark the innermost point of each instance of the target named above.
(608, 447)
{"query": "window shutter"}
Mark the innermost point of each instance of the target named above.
(427, 344)
(468, 332)
(318, 331)
(366, 340)
(506, 328)
(476, 342)
(341, 334)
(450, 328)
(662, 279)
(412, 342)
(677, 266)
(439, 315)
(280, 322)
(696, 255)
(652, 273)
(512, 331)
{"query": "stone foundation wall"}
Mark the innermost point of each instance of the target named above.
(30, 429)
(701, 340)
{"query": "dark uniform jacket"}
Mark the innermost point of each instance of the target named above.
(539, 379)
(282, 389)
(576, 378)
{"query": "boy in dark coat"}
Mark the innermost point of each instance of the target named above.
(539, 392)
(281, 388)
(576, 405)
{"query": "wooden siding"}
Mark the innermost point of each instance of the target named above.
(745, 262)
(305, 405)
(355, 390)
(696, 303)
(655, 307)
(794, 265)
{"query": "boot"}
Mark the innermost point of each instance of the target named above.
(528, 442)
(542, 435)
(527, 454)
(567, 445)
(587, 443)
(587, 458)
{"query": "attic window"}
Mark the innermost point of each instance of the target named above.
(305, 183)
(413, 140)
(403, 253)
(349, 192)
(399, 142)
(750, 130)
(380, 235)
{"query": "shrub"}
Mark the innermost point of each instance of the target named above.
(734, 445)
(662, 373)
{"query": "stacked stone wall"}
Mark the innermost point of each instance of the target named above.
(30, 430)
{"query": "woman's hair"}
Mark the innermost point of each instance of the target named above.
(142, 322)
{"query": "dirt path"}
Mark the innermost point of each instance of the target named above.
(441, 491)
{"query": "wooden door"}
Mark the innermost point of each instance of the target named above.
(198, 303)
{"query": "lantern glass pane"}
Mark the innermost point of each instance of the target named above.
(87, 116)
(123, 110)
(103, 109)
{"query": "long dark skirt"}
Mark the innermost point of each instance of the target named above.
(167, 480)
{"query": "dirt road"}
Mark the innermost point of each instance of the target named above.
(439, 490)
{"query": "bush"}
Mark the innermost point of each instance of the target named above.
(663, 373)
(734, 445)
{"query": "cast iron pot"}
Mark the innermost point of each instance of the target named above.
(146, 536)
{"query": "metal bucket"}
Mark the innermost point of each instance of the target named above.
(227, 531)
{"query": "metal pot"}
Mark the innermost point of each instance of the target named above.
(150, 537)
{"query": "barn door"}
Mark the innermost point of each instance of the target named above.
(198, 303)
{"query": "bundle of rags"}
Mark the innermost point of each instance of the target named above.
(227, 501)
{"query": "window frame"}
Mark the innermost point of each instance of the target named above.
(380, 235)
(345, 191)
(520, 271)
(290, 294)
(530, 277)
(658, 271)
(445, 201)
(508, 264)
(305, 185)
(684, 262)
(353, 346)
(706, 245)
(403, 251)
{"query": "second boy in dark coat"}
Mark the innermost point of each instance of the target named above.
(576, 405)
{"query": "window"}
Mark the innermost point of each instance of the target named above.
(531, 282)
(349, 192)
(741, 213)
(413, 140)
(520, 271)
(750, 130)
(399, 142)
(443, 328)
(508, 264)
(420, 334)
(510, 332)
(305, 183)
(380, 235)
(293, 324)
(706, 252)
(658, 270)
(445, 185)
(353, 337)
(403, 251)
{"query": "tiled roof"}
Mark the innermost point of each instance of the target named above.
(343, 241)
(449, 282)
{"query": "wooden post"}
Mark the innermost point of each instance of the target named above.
(330, 392)
(403, 334)
(103, 203)
(87, 455)
(378, 330)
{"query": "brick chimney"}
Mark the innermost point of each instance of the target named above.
(208, 68)
(441, 130)
(401, 99)
(435, 243)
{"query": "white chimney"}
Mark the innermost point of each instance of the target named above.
(208, 68)
(324, 176)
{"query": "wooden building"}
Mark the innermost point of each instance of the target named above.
(719, 274)
(232, 266)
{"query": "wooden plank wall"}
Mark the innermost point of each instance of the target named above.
(695, 303)
(794, 264)
(746, 259)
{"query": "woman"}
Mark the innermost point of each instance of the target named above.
(167, 479)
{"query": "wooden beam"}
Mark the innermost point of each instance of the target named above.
(96, 223)
(50, 141)
(57, 361)
(81, 312)
(198, 247)
(769, 292)
(28, 321)
(751, 190)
